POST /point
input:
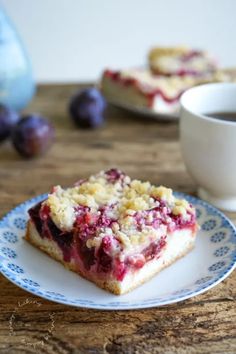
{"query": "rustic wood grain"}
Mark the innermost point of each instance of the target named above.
(144, 149)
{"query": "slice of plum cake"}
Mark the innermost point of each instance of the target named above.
(113, 231)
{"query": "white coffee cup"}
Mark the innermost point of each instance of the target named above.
(209, 145)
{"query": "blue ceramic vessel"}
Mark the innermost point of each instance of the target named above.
(16, 80)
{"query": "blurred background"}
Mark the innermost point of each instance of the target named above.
(73, 40)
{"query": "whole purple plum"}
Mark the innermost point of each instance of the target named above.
(87, 108)
(32, 135)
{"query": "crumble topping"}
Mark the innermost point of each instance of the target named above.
(111, 204)
(62, 208)
(166, 64)
(181, 207)
(167, 51)
(181, 60)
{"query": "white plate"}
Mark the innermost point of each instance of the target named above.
(212, 260)
(143, 111)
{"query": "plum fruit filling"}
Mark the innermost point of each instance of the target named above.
(151, 93)
(101, 259)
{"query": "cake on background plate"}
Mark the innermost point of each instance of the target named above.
(158, 88)
(113, 231)
(141, 89)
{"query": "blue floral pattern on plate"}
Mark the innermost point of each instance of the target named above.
(8, 252)
(222, 251)
(218, 236)
(212, 260)
(15, 268)
(10, 237)
(20, 223)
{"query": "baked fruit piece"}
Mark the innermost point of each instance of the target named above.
(181, 61)
(113, 231)
(142, 89)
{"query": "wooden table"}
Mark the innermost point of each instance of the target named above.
(147, 150)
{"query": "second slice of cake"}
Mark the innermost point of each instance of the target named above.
(141, 89)
(114, 231)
